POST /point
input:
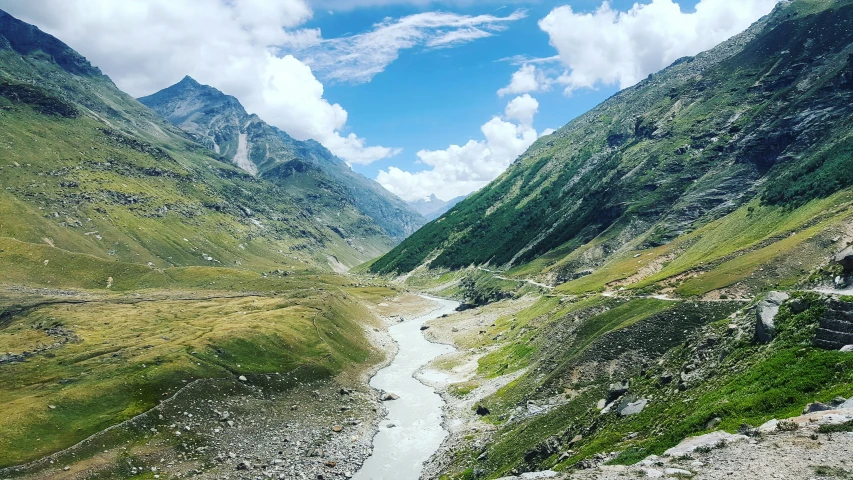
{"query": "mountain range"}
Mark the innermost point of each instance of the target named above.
(432, 207)
(111, 178)
(220, 122)
(658, 289)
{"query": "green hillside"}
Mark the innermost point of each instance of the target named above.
(758, 126)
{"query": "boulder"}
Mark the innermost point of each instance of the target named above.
(765, 313)
(535, 475)
(688, 445)
(616, 390)
(845, 259)
(634, 408)
(798, 305)
(816, 407)
(387, 397)
(847, 348)
(846, 405)
(678, 472)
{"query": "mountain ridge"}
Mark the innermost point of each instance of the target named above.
(684, 147)
(222, 124)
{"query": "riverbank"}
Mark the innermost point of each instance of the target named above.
(297, 424)
(411, 429)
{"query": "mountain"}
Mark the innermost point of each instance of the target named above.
(220, 122)
(675, 263)
(90, 170)
(433, 207)
(757, 127)
(139, 267)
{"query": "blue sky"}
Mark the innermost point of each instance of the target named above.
(430, 99)
(406, 91)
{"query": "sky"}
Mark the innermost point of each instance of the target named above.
(426, 97)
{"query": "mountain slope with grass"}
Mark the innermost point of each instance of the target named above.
(221, 123)
(145, 276)
(90, 170)
(673, 263)
(753, 134)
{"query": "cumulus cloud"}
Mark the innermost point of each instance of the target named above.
(146, 45)
(358, 58)
(460, 170)
(614, 47)
(527, 79)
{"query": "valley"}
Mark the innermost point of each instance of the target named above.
(661, 288)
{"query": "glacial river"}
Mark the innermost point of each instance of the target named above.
(399, 451)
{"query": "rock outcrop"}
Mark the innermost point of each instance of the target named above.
(836, 327)
(765, 313)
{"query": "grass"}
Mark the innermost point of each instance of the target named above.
(132, 355)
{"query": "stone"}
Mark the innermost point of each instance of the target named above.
(798, 305)
(242, 378)
(536, 475)
(846, 405)
(387, 397)
(665, 379)
(845, 259)
(688, 445)
(837, 401)
(816, 407)
(244, 465)
(424, 327)
(575, 439)
(652, 472)
(847, 348)
(616, 390)
(601, 404)
(482, 411)
(331, 464)
(678, 471)
(337, 429)
(765, 312)
(634, 408)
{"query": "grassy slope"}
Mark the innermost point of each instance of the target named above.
(663, 159)
(134, 261)
(738, 381)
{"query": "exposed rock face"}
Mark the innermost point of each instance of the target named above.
(616, 390)
(765, 313)
(836, 327)
(634, 408)
(845, 259)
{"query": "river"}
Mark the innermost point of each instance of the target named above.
(399, 451)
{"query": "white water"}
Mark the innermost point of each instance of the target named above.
(399, 452)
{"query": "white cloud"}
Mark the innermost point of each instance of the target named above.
(459, 170)
(527, 79)
(523, 109)
(146, 45)
(612, 47)
(358, 58)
